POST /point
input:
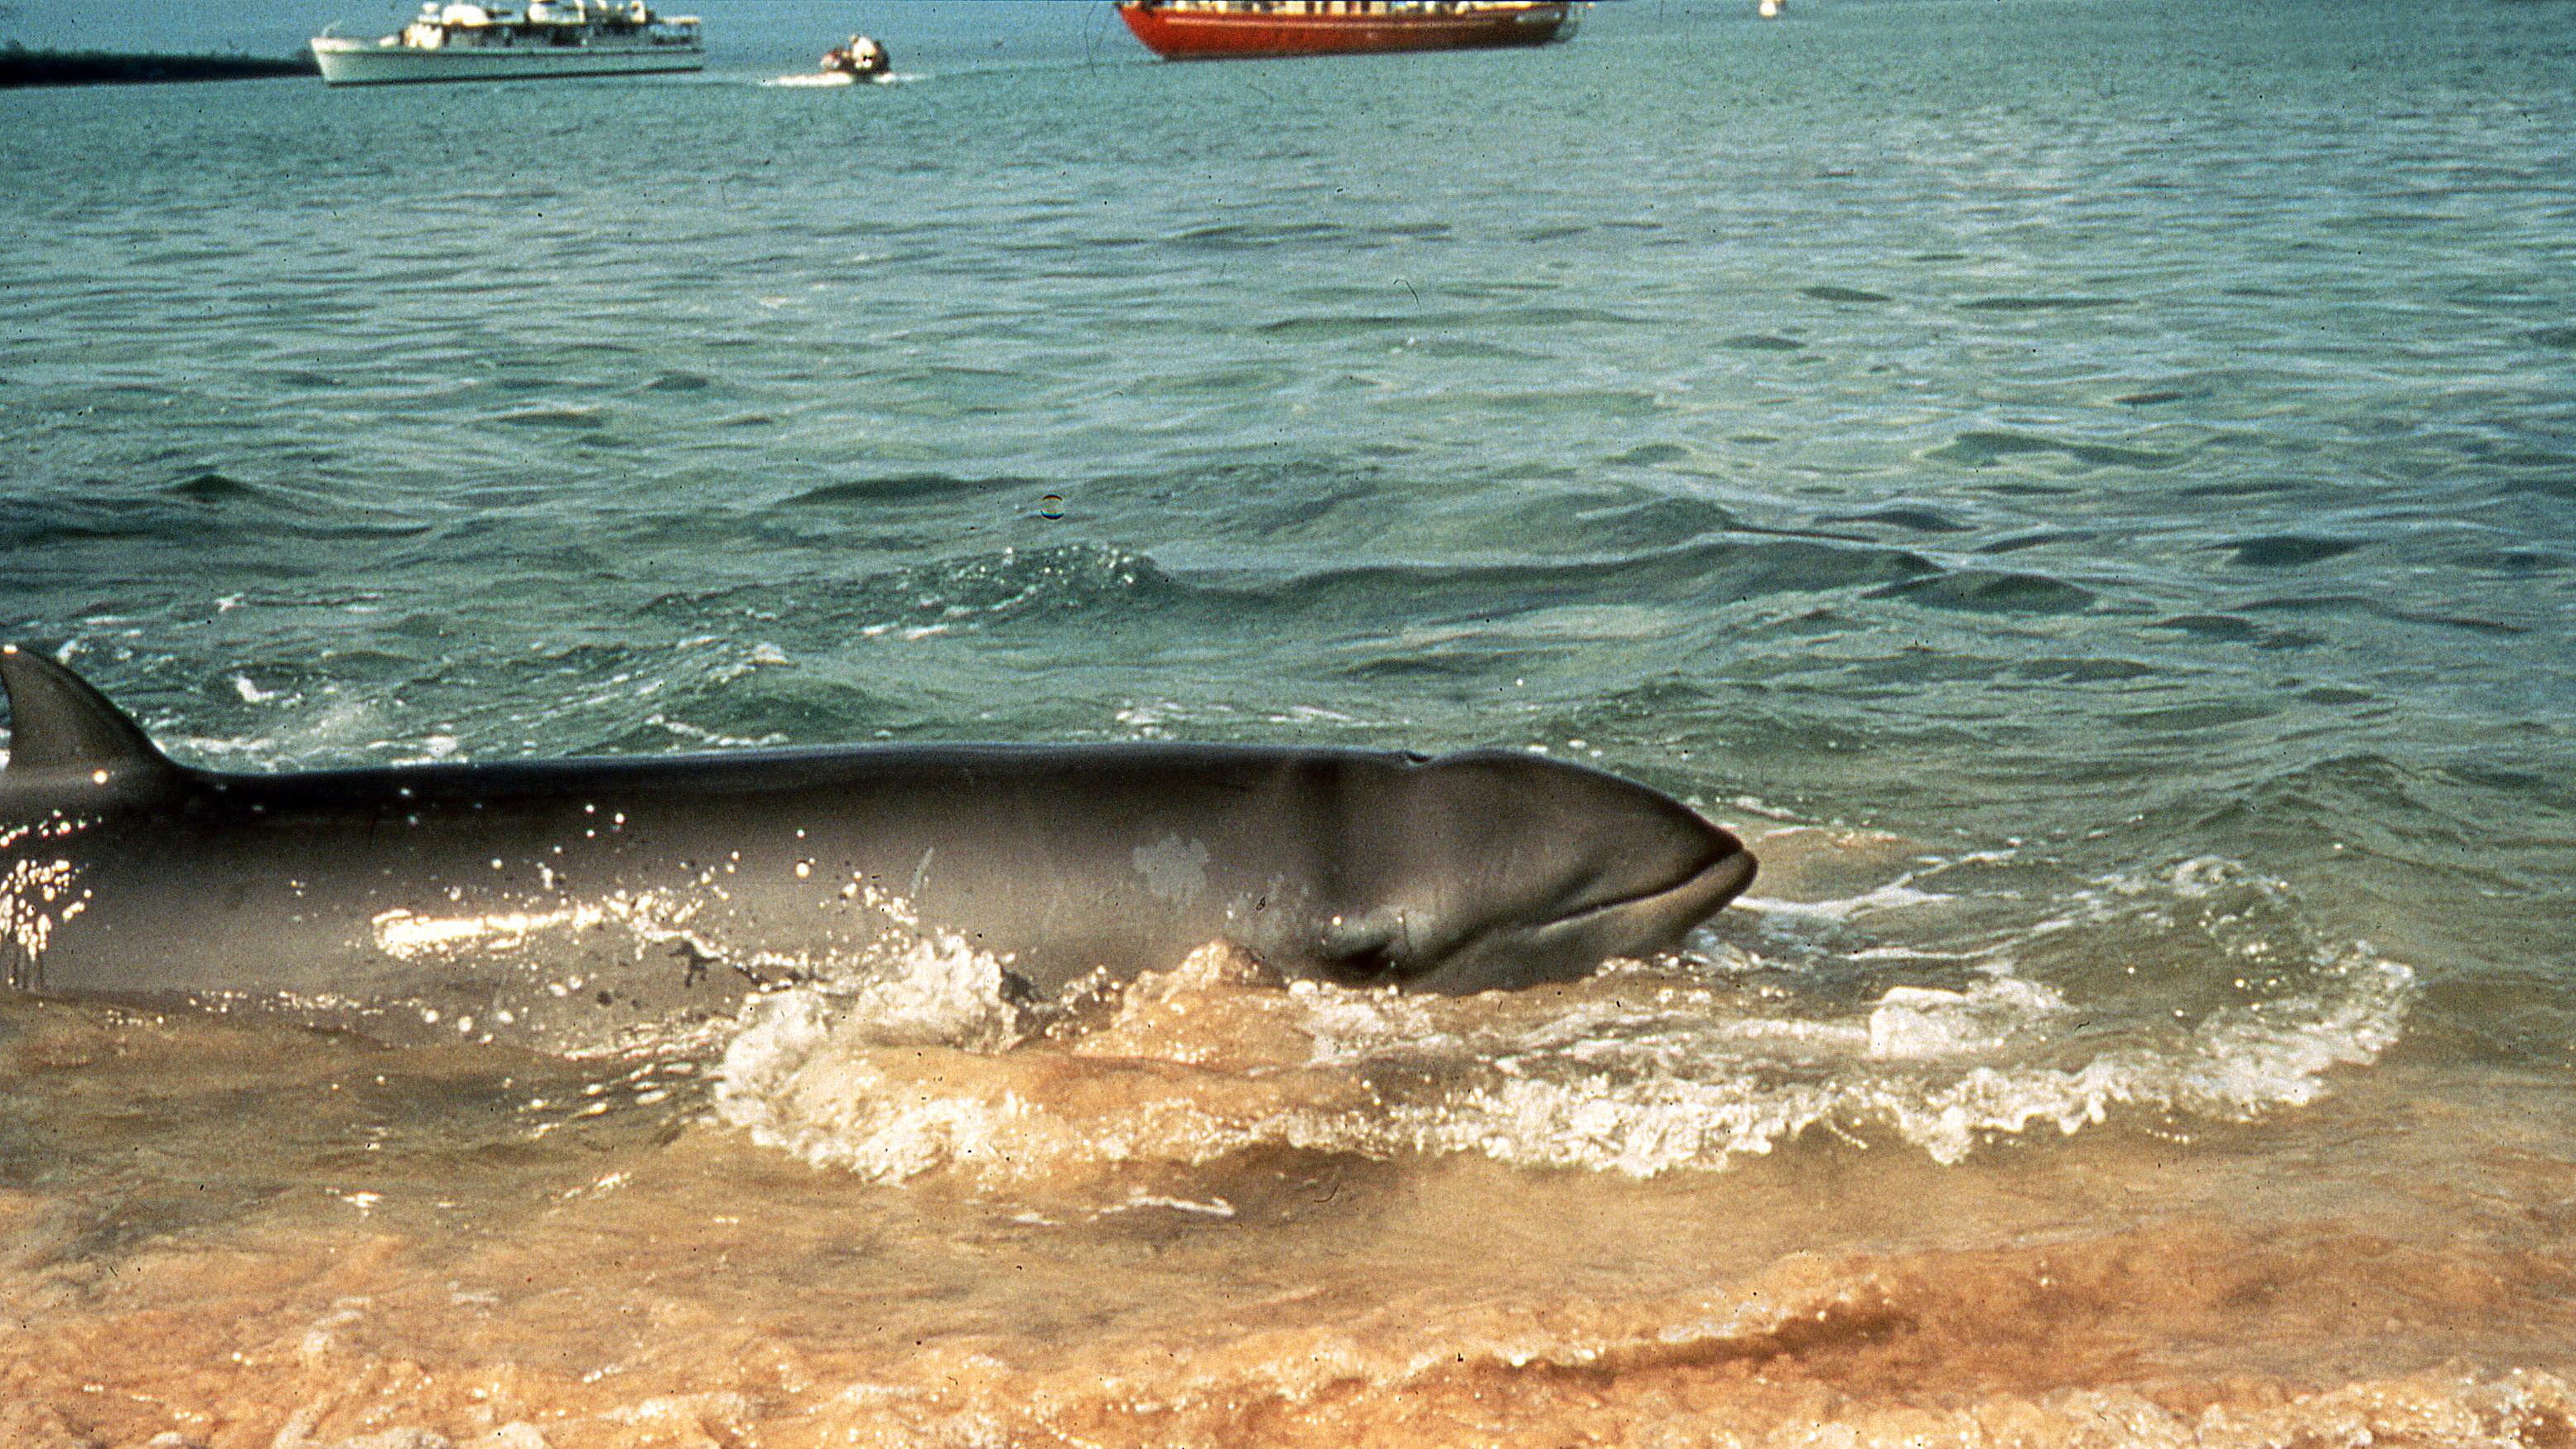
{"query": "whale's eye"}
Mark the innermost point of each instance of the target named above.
(1367, 966)
(1364, 951)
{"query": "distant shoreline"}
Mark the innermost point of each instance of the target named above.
(99, 67)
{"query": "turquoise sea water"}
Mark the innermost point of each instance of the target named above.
(2100, 478)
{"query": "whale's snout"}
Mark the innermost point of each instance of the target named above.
(1669, 888)
(1579, 867)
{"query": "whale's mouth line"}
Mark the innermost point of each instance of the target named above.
(1682, 903)
(1716, 883)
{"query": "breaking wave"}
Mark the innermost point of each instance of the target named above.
(1902, 1011)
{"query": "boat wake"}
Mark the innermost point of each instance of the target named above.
(833, 80)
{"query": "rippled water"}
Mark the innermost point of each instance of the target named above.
(2087, 488)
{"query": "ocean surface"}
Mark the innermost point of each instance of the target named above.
(2088, 489)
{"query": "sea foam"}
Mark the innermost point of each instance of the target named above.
(1689, 1063)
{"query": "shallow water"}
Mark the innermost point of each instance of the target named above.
(2087, 489)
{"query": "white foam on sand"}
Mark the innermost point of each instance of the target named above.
(1645, 1070)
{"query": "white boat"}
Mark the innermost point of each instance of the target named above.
(861, 60)
(551, 38)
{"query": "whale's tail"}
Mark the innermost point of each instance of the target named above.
(60, 727)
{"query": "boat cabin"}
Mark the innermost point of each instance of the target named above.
(546, 23)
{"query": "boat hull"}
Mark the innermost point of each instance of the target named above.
(1183, 34)
(351, 62)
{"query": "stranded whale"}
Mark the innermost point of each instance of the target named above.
(585, 904)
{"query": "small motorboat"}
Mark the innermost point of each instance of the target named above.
(860, 59)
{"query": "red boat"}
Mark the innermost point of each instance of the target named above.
(1222, 29)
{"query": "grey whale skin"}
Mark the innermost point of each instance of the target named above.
(590, 904)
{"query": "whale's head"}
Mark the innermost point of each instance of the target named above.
(1494, 869)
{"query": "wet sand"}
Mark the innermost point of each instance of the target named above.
(231, 1236)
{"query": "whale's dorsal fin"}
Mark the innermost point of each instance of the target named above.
(57, 722)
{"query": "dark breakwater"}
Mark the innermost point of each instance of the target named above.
(108, 68)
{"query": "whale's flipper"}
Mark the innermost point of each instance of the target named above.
(58, 723)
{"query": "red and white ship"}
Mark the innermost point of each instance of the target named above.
(1220, 29)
